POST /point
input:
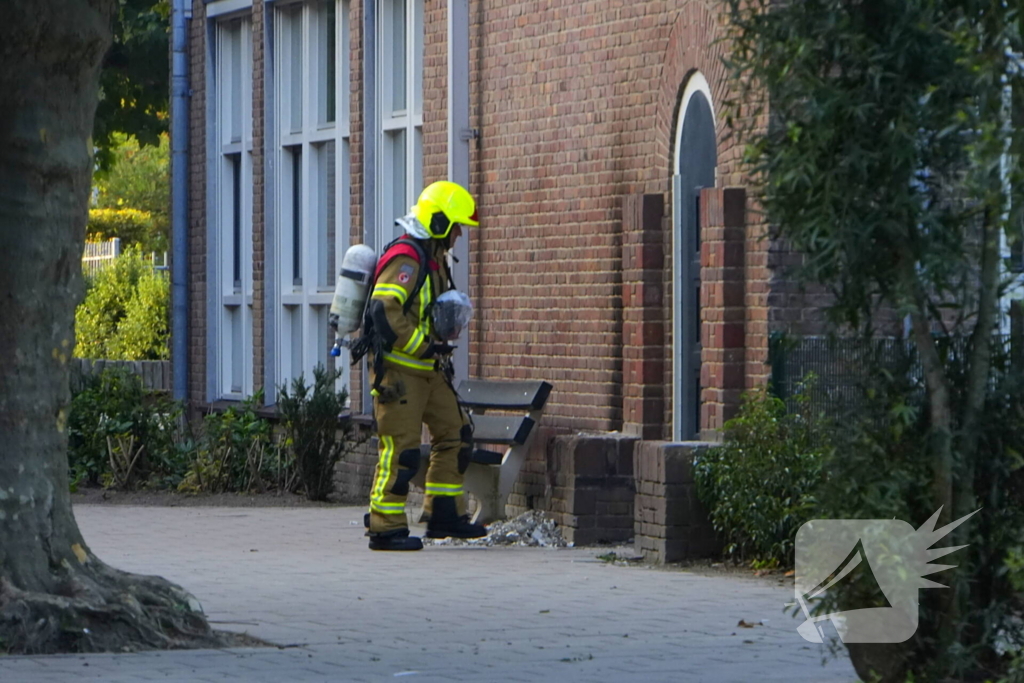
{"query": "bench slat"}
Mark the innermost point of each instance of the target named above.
(481, 456)
(501, 429)
(505, 395)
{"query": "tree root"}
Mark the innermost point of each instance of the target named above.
(94, 608)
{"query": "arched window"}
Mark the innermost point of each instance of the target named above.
(695, 164)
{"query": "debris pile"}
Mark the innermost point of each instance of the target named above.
(530, 529)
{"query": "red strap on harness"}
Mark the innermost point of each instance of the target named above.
(401, 249)
(397, 250)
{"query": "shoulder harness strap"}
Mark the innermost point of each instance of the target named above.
(370, 341)
(406, 247)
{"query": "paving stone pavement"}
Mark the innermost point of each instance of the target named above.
(304, 579)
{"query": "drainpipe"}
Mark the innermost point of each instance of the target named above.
(181, 12)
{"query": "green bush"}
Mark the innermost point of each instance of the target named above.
(882, 469)
(760, 485)
(311, 429)
(121, 435)
(125, 314)
(234, 452)
(135, 228)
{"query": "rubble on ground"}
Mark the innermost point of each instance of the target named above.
(530, 529)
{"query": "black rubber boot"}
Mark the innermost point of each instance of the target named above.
(446, 523)
(399, 539)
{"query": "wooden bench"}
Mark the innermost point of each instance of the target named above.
(494, 469)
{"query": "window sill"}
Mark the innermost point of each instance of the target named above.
(272, 413)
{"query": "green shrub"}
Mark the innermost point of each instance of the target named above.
(760, 485)
(125, 313)
(121, 435)
(135, 228)
(882, 469)
(311, 429)
(234, 452)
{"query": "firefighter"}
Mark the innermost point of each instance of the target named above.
(412, 382)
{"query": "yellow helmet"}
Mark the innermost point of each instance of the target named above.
(443, 204)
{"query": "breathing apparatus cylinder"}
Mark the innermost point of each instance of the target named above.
(346, 314)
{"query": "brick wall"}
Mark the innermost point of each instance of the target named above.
(588, 488)
(197, 206)
(353, 475)
(575, 115)
(356, 158)
(435, 92)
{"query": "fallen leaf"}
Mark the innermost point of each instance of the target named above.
(791, 572)
(747, 624)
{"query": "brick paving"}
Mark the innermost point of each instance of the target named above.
(304, 579)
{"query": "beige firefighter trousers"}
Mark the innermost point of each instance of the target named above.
(406, 401)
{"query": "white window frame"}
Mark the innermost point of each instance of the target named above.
(407, 120)
(231, 218)
(302, 339)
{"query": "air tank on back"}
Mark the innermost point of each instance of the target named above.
(350, 293)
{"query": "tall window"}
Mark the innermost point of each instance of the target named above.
(312, 178)
(231, 222)
(400, 88)
(696, 164)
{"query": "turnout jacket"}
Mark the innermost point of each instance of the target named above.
(401, 316)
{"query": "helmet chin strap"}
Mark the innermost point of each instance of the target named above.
(446, 244)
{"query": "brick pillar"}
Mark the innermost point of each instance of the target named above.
(258, 199)
(643, 324)
(671, 524)
(723, 216)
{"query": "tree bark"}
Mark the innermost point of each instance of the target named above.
(937, 385)
(980, 365)
(55, 595)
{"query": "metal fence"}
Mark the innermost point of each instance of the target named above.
(842, 367)
(99, 255)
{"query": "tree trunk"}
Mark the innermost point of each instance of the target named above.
(937, 385)
(55, 595)
(980, 367)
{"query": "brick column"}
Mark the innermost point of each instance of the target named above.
(643, 324)
(258, 198)
(723, 311)
(671, 524)
(197, 219)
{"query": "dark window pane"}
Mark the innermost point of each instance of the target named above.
(296, 215)
(236, 219)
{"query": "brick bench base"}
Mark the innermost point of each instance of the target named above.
(671, 524)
